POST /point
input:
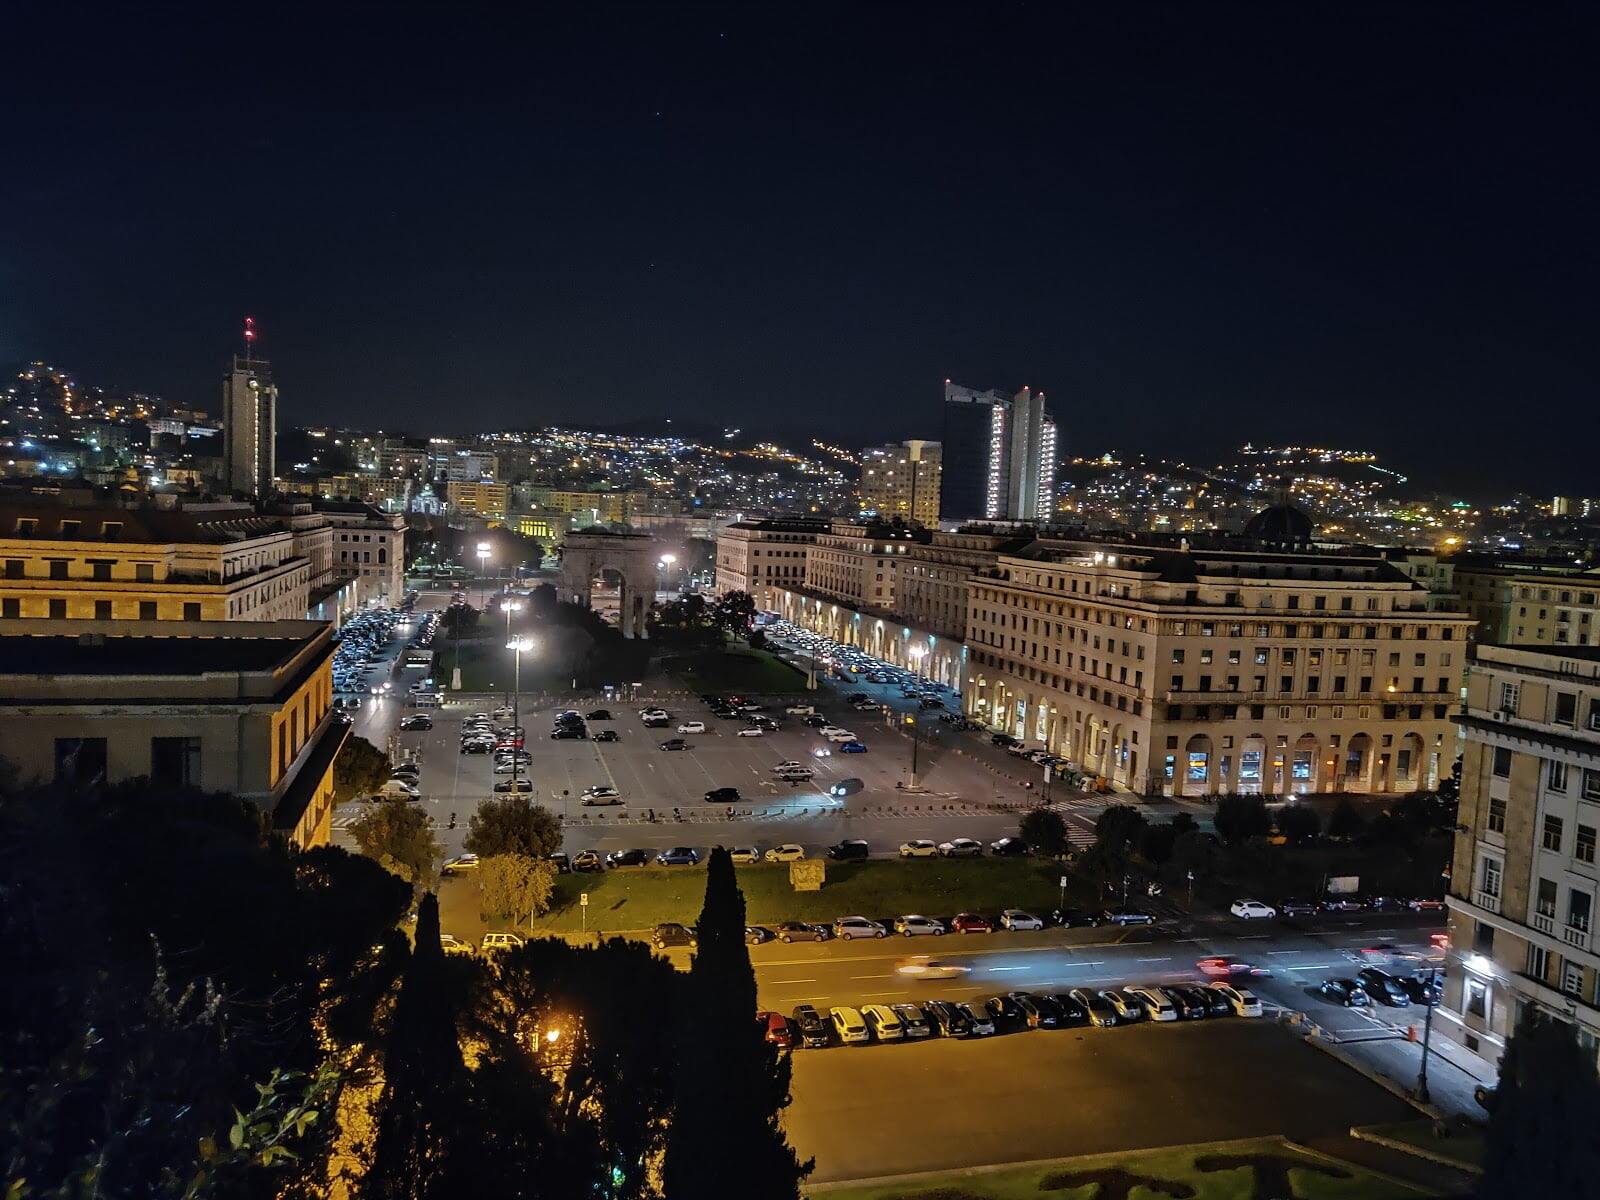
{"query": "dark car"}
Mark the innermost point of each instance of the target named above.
(1191, 1005)
(914, 1019)
(1101, 1014)
(1297, 908)
(1004, 739)
(1041, 1011)
(1075, 918)
(1006, 1011)
(1383, 987)
(1217, 1005)
(947, 1019)
(600, 714)
(1008, 847)
(723, 795)
(674, 744)
(679, 856)
(1072, 1013)
(567, 734)
(802, 931)
(628, 858)
(673, 934)
(1343, 904)
(849, 850)
(411, 723)
(755, 935)
(814, 721)
(809, 1025)
(1426, 990)
(562, 863)
(1346, 993)
(608, 735)
(1125, 916)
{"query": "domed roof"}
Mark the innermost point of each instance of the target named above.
(1281, 524)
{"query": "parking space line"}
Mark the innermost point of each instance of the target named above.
(1168, 958)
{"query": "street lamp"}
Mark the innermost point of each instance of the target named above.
(509, 606)
(483, 563)
(516, 645)
(916, 654)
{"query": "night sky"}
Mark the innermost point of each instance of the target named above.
(1190, 224)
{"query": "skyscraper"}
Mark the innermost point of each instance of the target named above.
(250, 420)
(902, 480)
(999, 455)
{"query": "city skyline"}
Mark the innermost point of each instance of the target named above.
(1221, 229)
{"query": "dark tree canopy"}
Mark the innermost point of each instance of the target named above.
(1541, 1139)
(1241, 817)
(359, 770)
(1045, 830)
(513, 825)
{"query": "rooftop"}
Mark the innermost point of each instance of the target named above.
(150, 648)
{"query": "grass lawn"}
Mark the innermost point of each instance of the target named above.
(755, 672)
(637, 898)
(1464, 1145)
(1257, 1169)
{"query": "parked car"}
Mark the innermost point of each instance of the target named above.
(1127, 1008)
(494, 943)
(1039, 1012)
(979, 1022)
(588, 860)
(947, 1018)
(1072, 1012)
(960, 848)
(807, 1022)
(671, 933)
(1426, 990)
(919, 848)
(853, 748)
(565, 733)
(1125, 916)
(883, 1023)
(1347, 993)
(788, 852)
(600, 794)
(756, 935)
(1158, 1006)
(848, 928)
(1008, 847)
(629, 858)
(916, 925)
(459, 864)
(600, 714)
(967, 922)
(1102, 1015)
(1017, 920)
(775, 1029)
(1191, 1002)
(850, 1025)
(1384, 987)
(678, 856)
(692, 727)
(453, 945)
(913, 1020)
(674, 744)
(519, 786)
(1242, 1002)
(849, 850)
(1005, 1012)
(608, 735)
(743, 856)
(1298, 908)
(803, 931)
(1252, 909)
(1425, 904)
(1343, 904)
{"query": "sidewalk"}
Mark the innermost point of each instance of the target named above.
(1394, 1063)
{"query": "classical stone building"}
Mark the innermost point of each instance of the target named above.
(368, 549)
(762, 556)
(241, 707)
(1524, 882)
(1525, 605)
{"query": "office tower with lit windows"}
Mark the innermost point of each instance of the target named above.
(999, 455)
(902, 480)
(250, 422)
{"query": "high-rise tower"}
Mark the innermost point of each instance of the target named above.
(250, 421)
(1000, 455)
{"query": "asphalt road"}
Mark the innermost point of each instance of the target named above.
(867, 1111)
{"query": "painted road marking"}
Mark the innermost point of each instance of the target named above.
(1166, 959)
(1312, 967)
(785, 982)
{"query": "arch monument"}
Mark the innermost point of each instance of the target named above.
(632, 556)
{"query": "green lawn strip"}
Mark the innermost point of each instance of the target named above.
(738, 670)
(1252, 1169)
(1463, 1145)
(637, 898)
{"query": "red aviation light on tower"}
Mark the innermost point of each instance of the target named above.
(249, 335)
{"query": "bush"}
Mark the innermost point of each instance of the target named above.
(1346, 822)
(1299, 823)
(1240, 818)
(1045, 831)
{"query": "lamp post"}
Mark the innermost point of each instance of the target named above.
(517, 645)
(667, 561)
(483, 564)
(916, 654)
(508, 607)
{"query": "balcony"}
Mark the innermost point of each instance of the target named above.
(1487, 900)
(1575, 936)
(1544, 923)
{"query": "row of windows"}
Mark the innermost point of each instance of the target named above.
(1313, 683)
(12, 608)
(1557, 776)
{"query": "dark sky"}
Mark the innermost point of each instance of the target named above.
(1190, 224)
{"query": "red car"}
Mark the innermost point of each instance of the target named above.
(775, 1026)
(1221, 966)
(971, 923)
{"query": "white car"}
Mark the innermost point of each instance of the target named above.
(1242, 1000)
(601, 794)
(1251, 909)
(920, 966)
(752, 731)
(885, 1025)
(653, 714)
(849, 1025)
(398, 787)
(915, 925)
(692, 727)
(788, 852)
(841, 735)
(830, 730)
(505, 713)
(1016, 919)
(788, 764)
(1156, 1002)
(799, 710)
(743, 856)
(919, 848)
(849, 928)
(960, 848)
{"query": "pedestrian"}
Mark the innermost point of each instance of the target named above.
(452, 820)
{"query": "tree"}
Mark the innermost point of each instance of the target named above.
(1299, 823)
(1045, 830)
(513, 825)
(1117, 828)
(359, 769)
(1240, 818)
(1196, 852)
(399, 836)
(514, 887)
(1345, 822)
(757, 639)
(735, 613)
(727, 1123)
(460, 621)
(1156, 842)
(1183, 823)
(1541, 1138)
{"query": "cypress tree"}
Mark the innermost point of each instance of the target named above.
(1542, 1138)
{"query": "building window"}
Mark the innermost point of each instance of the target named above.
(1497, 815)
(147, 610)
(58, 610)
(1502, 762)
(11, 609)
(1544, 902)
(191, 612)
(1572, 979)
(1583, 846)
(1538, 960)
(1489, 870)
(81, 762)
(1477, 998)
(102, 610)
(58, 568)
(1566, 708)
(144, 572)
(1591, 785)
(100, 571)
(1556, 778)
(175, 761)
(1553, 829)
(1508, 698)
(1483, 938)
(1578, 908)
(16, 568)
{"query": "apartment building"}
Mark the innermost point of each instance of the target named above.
(762, 556)
(204, 562)
(901, 480)
(477, 497)
(369, 548)
(605, 508)
(1527, 605)
(241, 707)
(855, 564)
(1524, 881)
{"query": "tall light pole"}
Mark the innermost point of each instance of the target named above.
(508, 607)
(483, 565)
(517, 645)
(667, 560)
(916, 654)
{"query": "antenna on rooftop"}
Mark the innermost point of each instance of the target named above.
(249, 337)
